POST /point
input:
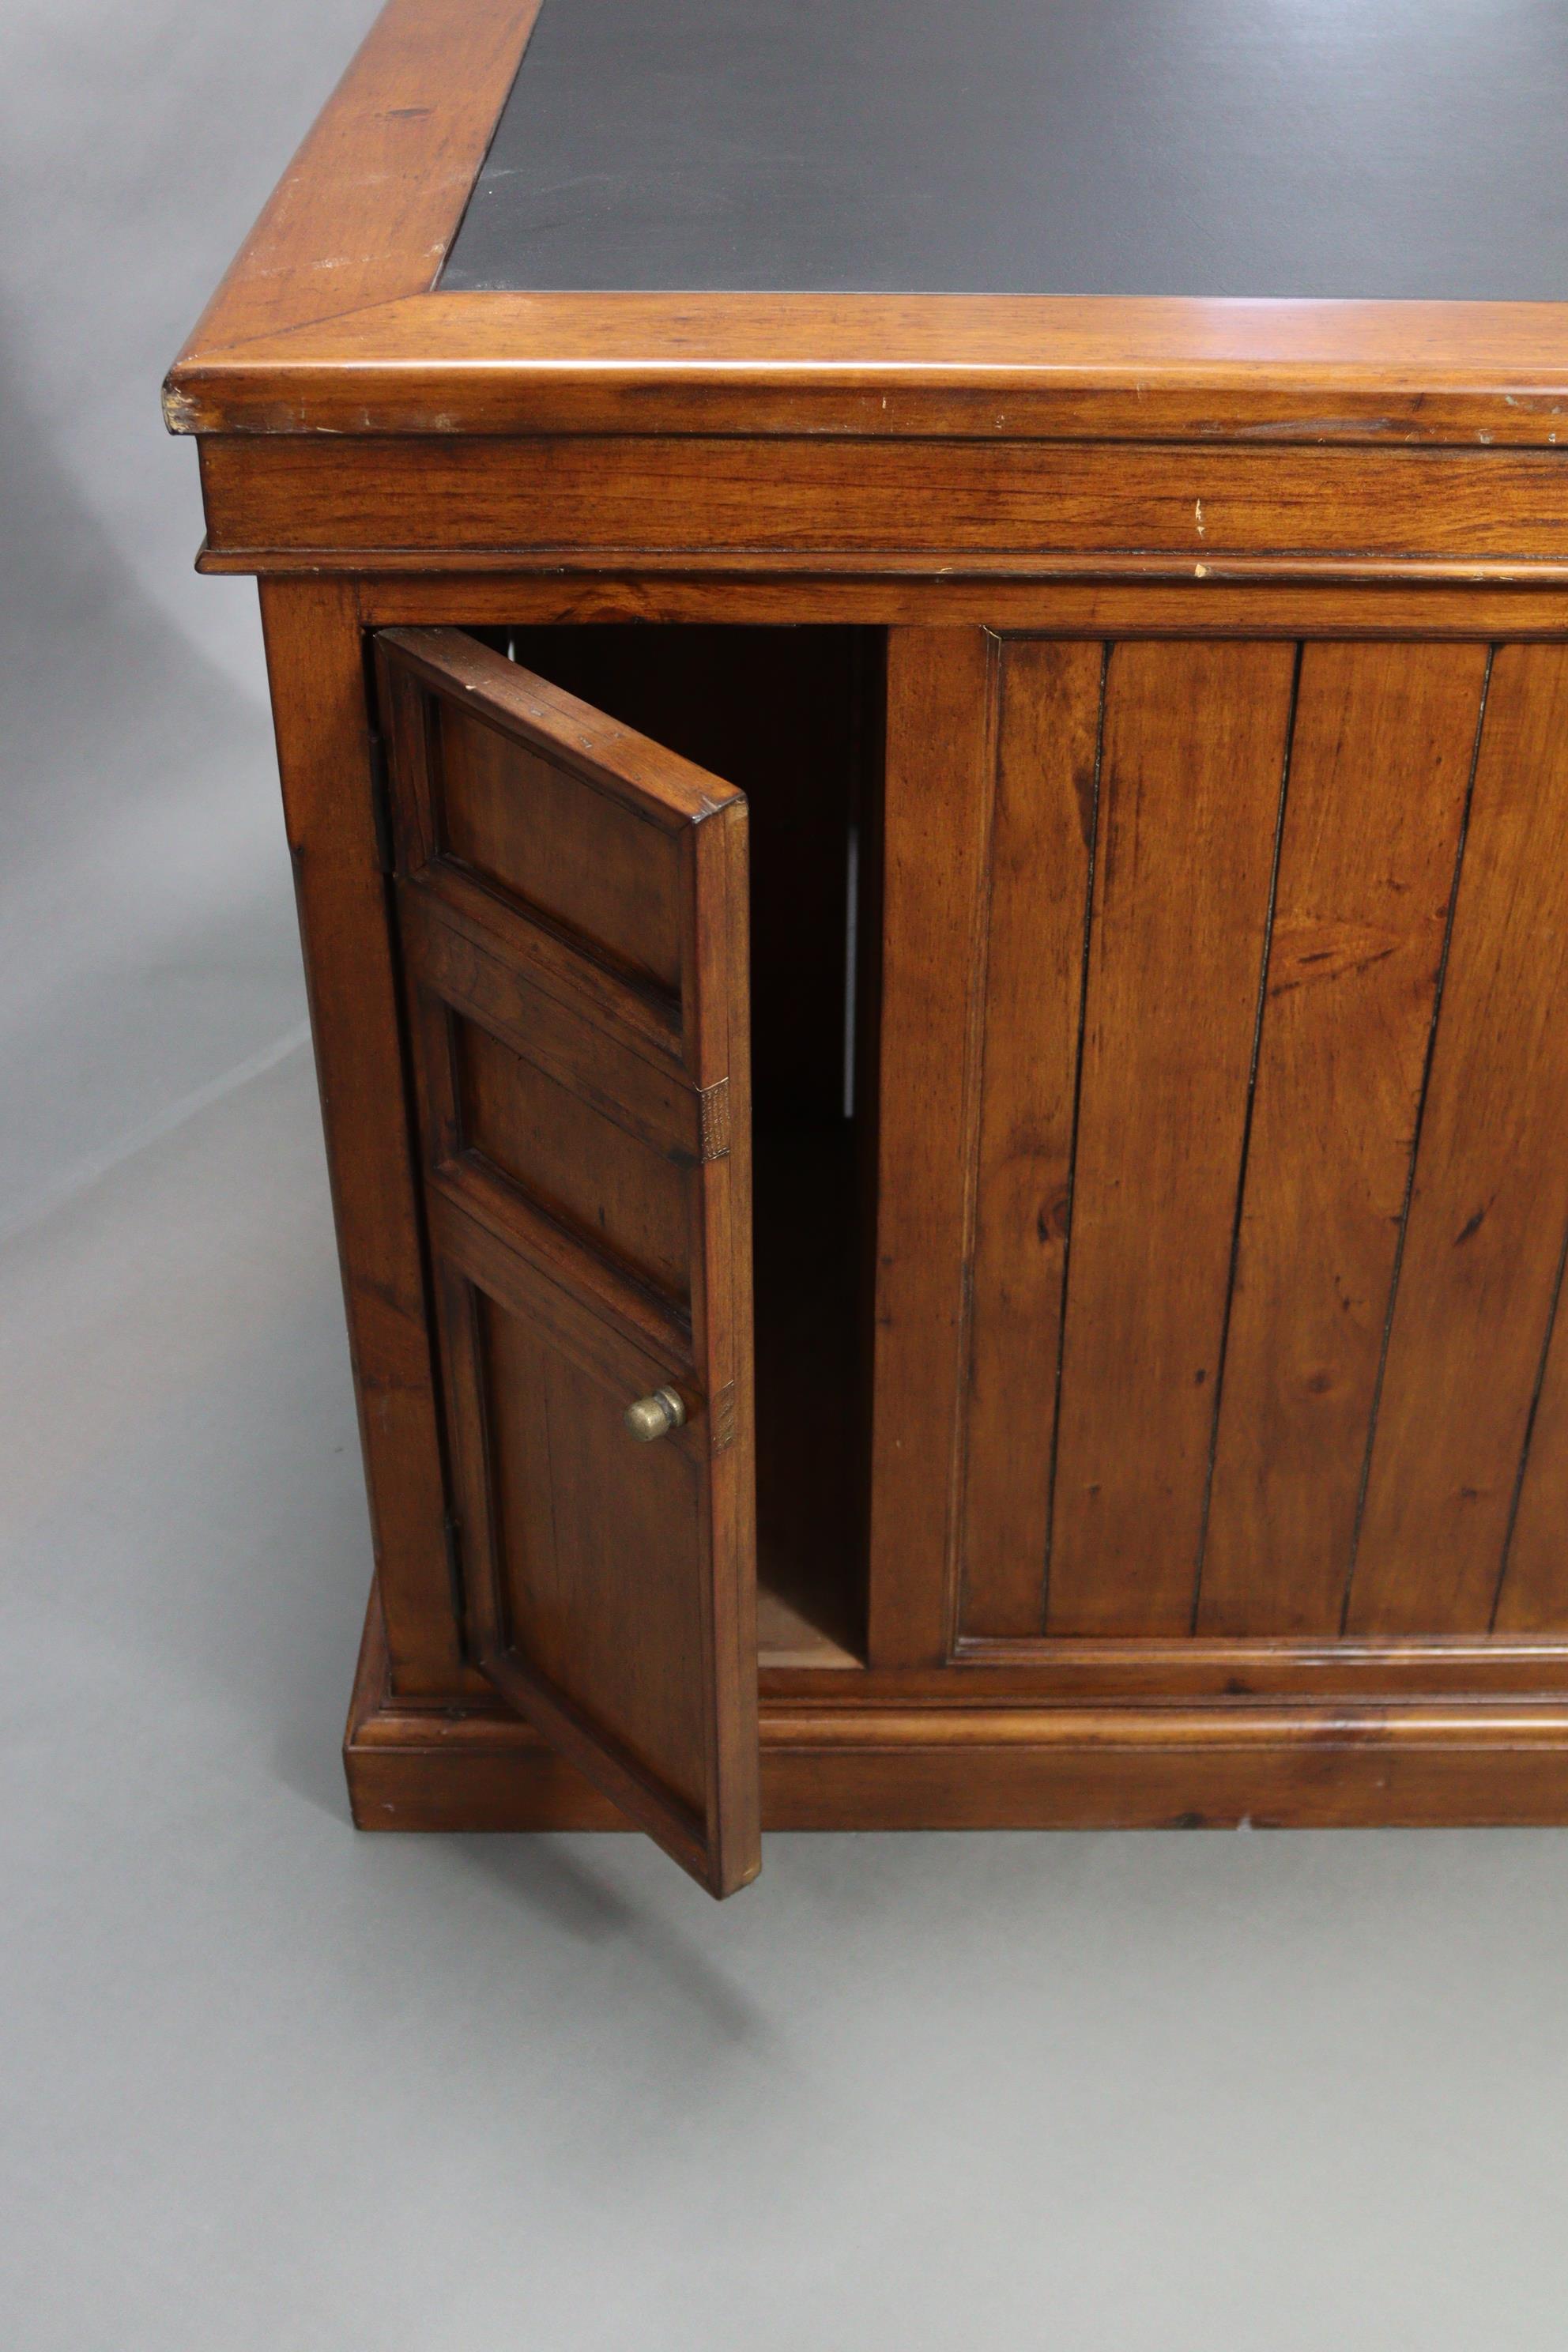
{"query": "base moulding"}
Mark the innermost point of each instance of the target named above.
(854, 1764)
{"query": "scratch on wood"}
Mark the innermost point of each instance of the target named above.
(1312, 428)
(179, 410)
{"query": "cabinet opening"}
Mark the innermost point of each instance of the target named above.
(793, 716)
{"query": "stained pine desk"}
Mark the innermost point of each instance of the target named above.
(921, 661)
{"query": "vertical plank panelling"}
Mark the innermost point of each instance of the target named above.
(1380, 766)
(1484, 1234)
(1194, 753)
(1042, 839)
(939, 778)
(1533, 1598)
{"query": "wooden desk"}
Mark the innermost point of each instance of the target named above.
(1043, 533)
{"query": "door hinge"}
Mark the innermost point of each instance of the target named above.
(381, 804)
(713, 1110)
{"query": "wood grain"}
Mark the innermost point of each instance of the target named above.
(1475, 373)
(1534, 1595)
(1094, 596)
(1041, 848)
(316, 667)
(1380, 767)
(611, 1188)
(1192, 763)
(940, 773)
(854, 1765)
(572, 1501)
(1490, 1206)
(597, 871)
(367, 208)
(496, 984)
(542, 960)
(620, 500)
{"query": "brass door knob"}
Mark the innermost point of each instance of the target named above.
(655, 1416)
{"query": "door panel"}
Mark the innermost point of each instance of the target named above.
(1271, 1148)
(1191, 770)
(572, 908)
(563, 1530)
(587, 863)
(613, 1190)
(1380, 768)
(1042, 847)
(1483, 1240)
(940, 756)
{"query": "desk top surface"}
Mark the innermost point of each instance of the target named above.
(1309, 220)
(1384, 149)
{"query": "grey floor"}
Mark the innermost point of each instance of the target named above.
(266, 2086)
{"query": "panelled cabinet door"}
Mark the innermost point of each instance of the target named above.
(572, 909)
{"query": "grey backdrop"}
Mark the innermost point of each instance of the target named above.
(271, 2088)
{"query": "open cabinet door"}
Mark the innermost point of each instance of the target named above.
(572, 909)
